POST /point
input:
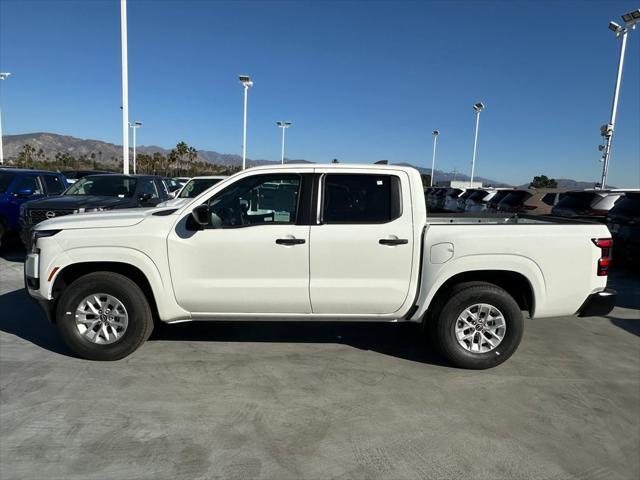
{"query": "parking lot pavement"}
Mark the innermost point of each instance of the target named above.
(291, 400)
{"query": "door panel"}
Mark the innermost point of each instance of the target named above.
(252, 257)
(241, 270)
(352, 271)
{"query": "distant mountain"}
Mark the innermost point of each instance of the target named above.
(110, 154)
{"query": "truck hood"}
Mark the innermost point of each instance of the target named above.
(108, 219)
(82, 201)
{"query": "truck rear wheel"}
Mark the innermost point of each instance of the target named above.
(479, 327)
(104, 316)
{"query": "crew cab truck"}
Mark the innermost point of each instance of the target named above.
(315, 242)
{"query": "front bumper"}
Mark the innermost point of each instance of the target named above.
(598, 304)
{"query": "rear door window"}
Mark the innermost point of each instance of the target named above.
(54, 184)
(361, 198)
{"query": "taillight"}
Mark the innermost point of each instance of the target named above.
(605, 245)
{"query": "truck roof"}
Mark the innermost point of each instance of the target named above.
(337, 166)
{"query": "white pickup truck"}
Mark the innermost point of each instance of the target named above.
(315, 242)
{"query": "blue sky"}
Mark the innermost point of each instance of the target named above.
(361, 81)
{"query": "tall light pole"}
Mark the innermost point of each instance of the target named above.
(134, 126)
(246, 82)
(478, 107)
(3, 76)
(606, 131)
(283, 126)
(125, 89)
(433, 160)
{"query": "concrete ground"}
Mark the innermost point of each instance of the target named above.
(318, 401)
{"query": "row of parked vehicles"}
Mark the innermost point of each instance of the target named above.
(27, 197)
(618, 208)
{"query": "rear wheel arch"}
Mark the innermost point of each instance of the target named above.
(70, 273)
(514, 283)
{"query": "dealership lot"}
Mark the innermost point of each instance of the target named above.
(291, 400)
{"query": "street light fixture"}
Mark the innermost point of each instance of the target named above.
(630, 19)
(246, 82)
(283, 126)
(3, 76)
(478, 107)
(134, 126)
(433, 160)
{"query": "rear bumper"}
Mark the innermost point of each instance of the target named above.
(598, 304)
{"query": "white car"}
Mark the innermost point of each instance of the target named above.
(194, 187)
(310, 243)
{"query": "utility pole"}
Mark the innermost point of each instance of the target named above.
(433, 160)
(630, 19)
(125, 89)
(3, 76)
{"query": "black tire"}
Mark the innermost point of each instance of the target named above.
(140, 317)
(462, 298)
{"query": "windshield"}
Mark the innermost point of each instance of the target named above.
(478, 196)
(576, 200)
(5, 181)
(196, 186)
(629, 206)
(106, 186)
(516, 198)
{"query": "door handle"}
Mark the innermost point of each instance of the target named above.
(393, 241)
(290, 241)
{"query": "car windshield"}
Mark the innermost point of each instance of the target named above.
(196, 186)
(576, 200)
(629, 206)
(5, 181)
(515, 198)
(106, 186)
(478, 196)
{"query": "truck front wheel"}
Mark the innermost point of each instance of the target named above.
(479, 327)
(104, 316)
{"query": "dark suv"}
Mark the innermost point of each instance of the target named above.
(20, 185)
(95, 193)
(623, 221)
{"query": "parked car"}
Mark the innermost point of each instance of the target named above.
(463, 198)
(73, 176)
(534, 201)
(492, 203)
(92, 194)
(182, 180)
(20, 185)
(451, 199)
(172, 186)
(623, 221)
(315, 243)
(478, 200)
(432, 198)
(587, 203)
(192, 189)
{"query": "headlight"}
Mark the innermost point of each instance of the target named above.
(36, 234)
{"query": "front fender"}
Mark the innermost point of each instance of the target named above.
(168, 310)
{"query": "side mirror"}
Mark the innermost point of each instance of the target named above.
(144, 197)
(24, 192)
(201, 215)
